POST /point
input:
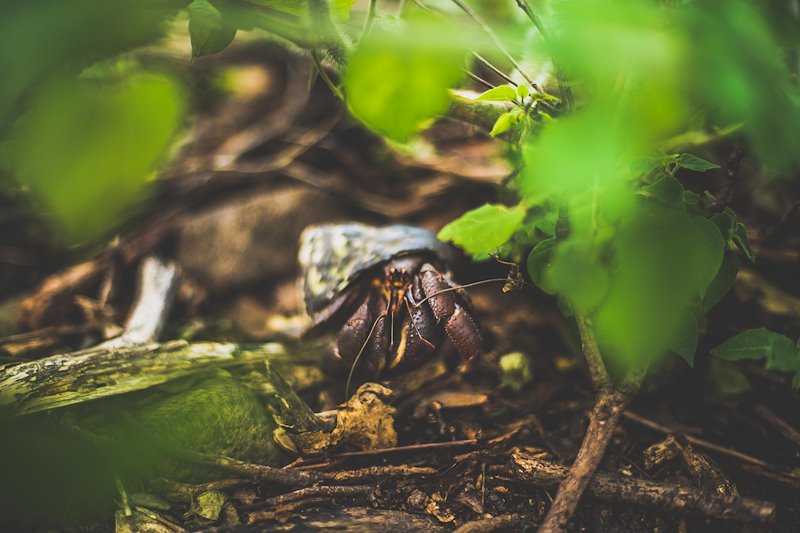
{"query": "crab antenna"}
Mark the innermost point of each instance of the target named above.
(361, 351)
(468, 285)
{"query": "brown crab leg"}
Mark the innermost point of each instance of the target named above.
(421, 335)
(458, 325)
(364, 340)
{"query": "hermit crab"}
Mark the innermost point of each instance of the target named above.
(389, 292)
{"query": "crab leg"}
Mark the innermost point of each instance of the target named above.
(421, 335)
(364, 339)
(447, 309)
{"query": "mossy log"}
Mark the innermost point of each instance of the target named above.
(100, 372)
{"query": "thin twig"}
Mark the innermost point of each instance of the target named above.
(787, 477)
(395, 449)
(496, 40)
(479, 79)
(495, 523)
(629, 490)
(488, 64)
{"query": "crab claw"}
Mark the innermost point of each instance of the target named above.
(446, 307)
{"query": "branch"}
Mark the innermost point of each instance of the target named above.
(669, 497)
(603, 420)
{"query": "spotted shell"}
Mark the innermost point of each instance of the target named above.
(333, 255)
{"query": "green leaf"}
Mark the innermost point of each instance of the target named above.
(725, 221)
(539, 261)
(503, 123)
(781, 353)
(501, 93)
(706, 250)
(691, 198)
(522, 90)
(396, 82)
(684, 343)
(208, 30)
(103, 142)
(739, 236)
(482, 231)
(695, 163)
(666, 190)
(723, 281)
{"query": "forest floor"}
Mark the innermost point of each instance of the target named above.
(709, 448)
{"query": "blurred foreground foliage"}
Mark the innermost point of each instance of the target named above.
(620, 88)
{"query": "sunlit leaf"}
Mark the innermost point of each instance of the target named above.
(482, 231)
(502, 124)
(208, 30)
(501, 93)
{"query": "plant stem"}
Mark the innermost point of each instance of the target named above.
(370, 19)
(324, 75)
(594, 358)
(609, 405)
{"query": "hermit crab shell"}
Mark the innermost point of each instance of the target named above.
(332, 256)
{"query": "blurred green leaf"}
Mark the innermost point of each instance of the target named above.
(396, 81)
(88, 149)
(575, 274)
(781, 353)
(208, 30)
(482, 231)
(501, 93)
(341, 8)
(695, 163)
(522, 90)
